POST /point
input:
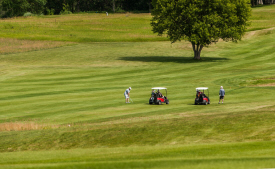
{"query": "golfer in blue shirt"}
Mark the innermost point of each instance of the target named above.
(222, 94)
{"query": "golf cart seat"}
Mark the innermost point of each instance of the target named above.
(201, 97)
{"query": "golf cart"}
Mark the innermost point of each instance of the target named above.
(157, 97)
(201, 98)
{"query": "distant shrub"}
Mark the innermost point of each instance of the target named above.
(50, 11)
(27, 14)
(119, 10)
(66, 10)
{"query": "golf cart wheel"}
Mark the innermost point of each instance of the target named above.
(159, 102)
(167, 102)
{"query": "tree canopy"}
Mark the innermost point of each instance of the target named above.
(201, 22)
(19, 7)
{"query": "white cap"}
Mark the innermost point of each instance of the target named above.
(130, 88)
(221, 87)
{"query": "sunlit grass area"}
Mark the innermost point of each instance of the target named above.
(262, 17)
(97, 27)
(81, 28)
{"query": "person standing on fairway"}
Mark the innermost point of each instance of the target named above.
(127, 94)
(221, 94)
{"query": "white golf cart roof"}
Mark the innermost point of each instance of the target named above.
(201, 88)
(158, 88)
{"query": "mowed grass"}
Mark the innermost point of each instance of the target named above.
(63, 107)
(262, 18)
(98, 27)
(81, 28)
(228, 156)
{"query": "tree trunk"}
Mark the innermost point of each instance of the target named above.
(114, 6)
(197, 50)
(252, 2)
(77, 6)
(149, 6)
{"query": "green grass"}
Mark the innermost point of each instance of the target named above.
(262, 18)
(241, 155)
(63, 107)
(81, 28)
(97, 27)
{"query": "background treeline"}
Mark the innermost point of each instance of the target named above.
(262, 2)
(12, 8)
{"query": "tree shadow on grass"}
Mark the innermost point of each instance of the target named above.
(171, 59)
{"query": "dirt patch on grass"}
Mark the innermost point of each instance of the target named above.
(19, 126)
(262, 82)
(267, 85)
(8, 45)
(259, 33)
(261, 107)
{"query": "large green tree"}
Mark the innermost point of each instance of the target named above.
(201, 22)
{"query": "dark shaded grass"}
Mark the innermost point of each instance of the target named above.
(168, 59)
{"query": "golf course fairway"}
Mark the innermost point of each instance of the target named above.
(62, 102)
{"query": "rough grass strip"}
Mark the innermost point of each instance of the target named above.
(8, 45)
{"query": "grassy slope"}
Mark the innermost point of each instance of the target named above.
(262, 18)
(81, 28)
(82, 85)
(100, 28)
(229, 156)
